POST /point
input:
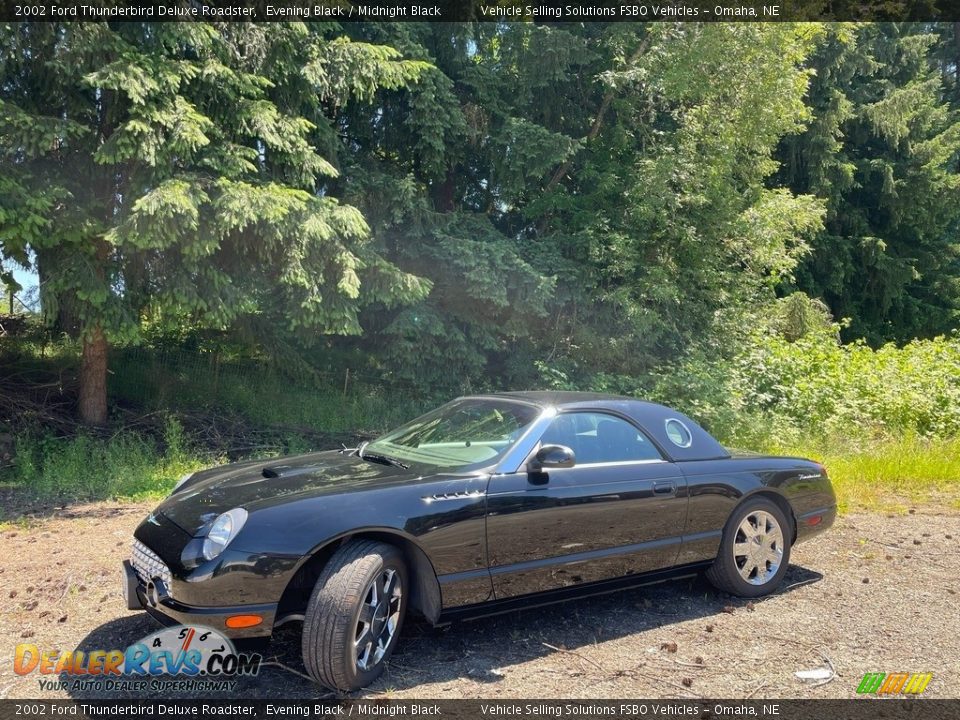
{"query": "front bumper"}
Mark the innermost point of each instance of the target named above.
(153, 598)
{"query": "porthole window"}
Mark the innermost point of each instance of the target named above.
(678, 433)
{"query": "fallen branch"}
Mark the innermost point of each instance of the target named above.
(575, 653)
(699, 666)
(799, 583)
(274, 663)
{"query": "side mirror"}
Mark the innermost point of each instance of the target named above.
(552, 456)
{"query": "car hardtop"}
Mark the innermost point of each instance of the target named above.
(653, 418)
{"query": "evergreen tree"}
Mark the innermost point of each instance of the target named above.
(443, 170)
(883, 152)
(577, 191)
(664, 216)
(171, 171)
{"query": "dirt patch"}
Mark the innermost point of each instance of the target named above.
(877, 593)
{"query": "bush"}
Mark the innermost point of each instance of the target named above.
(886, 422)
(820, 386)
(814, 387)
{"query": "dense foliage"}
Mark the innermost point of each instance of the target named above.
(883, 152)
(697, 212)
(776, 390)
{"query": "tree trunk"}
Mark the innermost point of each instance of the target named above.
(444, 194)
(93, 378)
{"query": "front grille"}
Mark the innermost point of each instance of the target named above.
(148, 565)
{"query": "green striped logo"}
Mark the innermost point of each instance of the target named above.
(894, 683)
(871, 682)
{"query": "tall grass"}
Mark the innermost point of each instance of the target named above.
(890, 473)
(86, 467)
(135, 465)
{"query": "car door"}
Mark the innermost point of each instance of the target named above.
(620, 510)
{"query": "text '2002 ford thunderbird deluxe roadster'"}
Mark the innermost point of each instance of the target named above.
(486, 504)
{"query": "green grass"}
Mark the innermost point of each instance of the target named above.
(137, 465)
(887, 474)
(891, 474)
(18, 522)
(126, 466)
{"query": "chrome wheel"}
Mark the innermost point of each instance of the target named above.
(758, 547)
(378, 619)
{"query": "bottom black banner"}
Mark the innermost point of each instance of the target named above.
(366, 709)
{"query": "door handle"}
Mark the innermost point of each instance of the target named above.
(664, 487)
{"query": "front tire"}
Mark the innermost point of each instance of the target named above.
(755, 550)
(354, 615)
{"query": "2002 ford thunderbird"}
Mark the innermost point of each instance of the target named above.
(483, 505)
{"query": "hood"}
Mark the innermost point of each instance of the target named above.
(264, 483)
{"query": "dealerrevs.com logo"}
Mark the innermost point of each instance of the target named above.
(181, 658)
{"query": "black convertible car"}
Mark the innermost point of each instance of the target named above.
(485, 504)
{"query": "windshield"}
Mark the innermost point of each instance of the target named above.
(464, 434)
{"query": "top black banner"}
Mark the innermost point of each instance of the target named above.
(479, 10)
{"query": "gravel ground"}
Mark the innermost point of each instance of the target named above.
(877, 593)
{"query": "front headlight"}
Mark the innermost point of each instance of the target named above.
(223, 530)
(180, 482)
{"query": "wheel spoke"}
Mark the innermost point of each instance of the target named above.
(741, 549)
(363, 637)
(390, 583)
(363, 655)
(363, 646)
(763, 522)
(366, 613)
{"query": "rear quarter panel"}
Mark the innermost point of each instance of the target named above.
(716, 487)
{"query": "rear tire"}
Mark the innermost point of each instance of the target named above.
(354, 615)
(755, 550)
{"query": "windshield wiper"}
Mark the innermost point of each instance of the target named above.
(384, 460)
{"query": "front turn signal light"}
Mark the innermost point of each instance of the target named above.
(243, 621)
